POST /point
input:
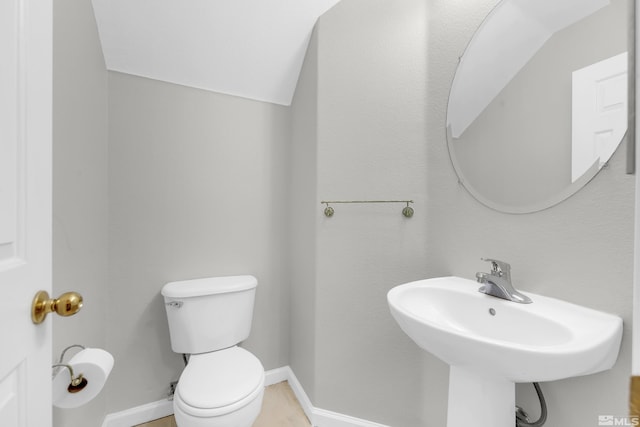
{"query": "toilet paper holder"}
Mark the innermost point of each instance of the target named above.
(77, 382)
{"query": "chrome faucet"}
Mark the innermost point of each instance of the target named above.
(498, 282)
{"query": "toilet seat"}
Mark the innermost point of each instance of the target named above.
(220, 382)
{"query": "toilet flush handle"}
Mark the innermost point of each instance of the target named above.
(176, 304)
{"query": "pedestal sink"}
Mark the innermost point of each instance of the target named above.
(491, 343)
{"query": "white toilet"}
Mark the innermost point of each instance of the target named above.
(223, 384)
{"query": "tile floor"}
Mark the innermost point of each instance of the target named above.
(280, 408)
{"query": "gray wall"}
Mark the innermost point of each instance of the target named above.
(304, 206)
(197, 188)
(368, 98)
(372, 124)
(204, 184)
(79, 188)
(580, 250)
(152, 183)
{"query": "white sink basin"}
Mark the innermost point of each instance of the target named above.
(546, 340)
(492, 343)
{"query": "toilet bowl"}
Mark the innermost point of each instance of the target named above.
(222, 384)
(220, 389)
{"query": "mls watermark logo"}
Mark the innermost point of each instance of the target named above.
(612, 420)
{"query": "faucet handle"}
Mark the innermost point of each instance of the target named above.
(497, 266)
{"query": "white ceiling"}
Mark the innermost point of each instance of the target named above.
(248, 48)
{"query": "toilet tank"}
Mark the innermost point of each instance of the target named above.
(209, 314)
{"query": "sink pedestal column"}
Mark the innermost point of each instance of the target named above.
(480, 399)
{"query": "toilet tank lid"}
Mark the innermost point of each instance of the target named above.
(208, 286)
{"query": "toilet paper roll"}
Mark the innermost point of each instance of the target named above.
(95, 366)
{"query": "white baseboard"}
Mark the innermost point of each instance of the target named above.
(318, 417)
(324, 418)
(139, 414)
(302, 397)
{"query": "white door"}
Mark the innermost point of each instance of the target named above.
(25, 210)
(598, 113)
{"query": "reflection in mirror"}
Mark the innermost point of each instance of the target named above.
(539, 100)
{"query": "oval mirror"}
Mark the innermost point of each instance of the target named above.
(538, 103)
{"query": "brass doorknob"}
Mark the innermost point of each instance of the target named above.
(67, 304)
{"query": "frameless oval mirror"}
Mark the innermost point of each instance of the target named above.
(538, 103)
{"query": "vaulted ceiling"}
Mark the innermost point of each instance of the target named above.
(248, 48)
